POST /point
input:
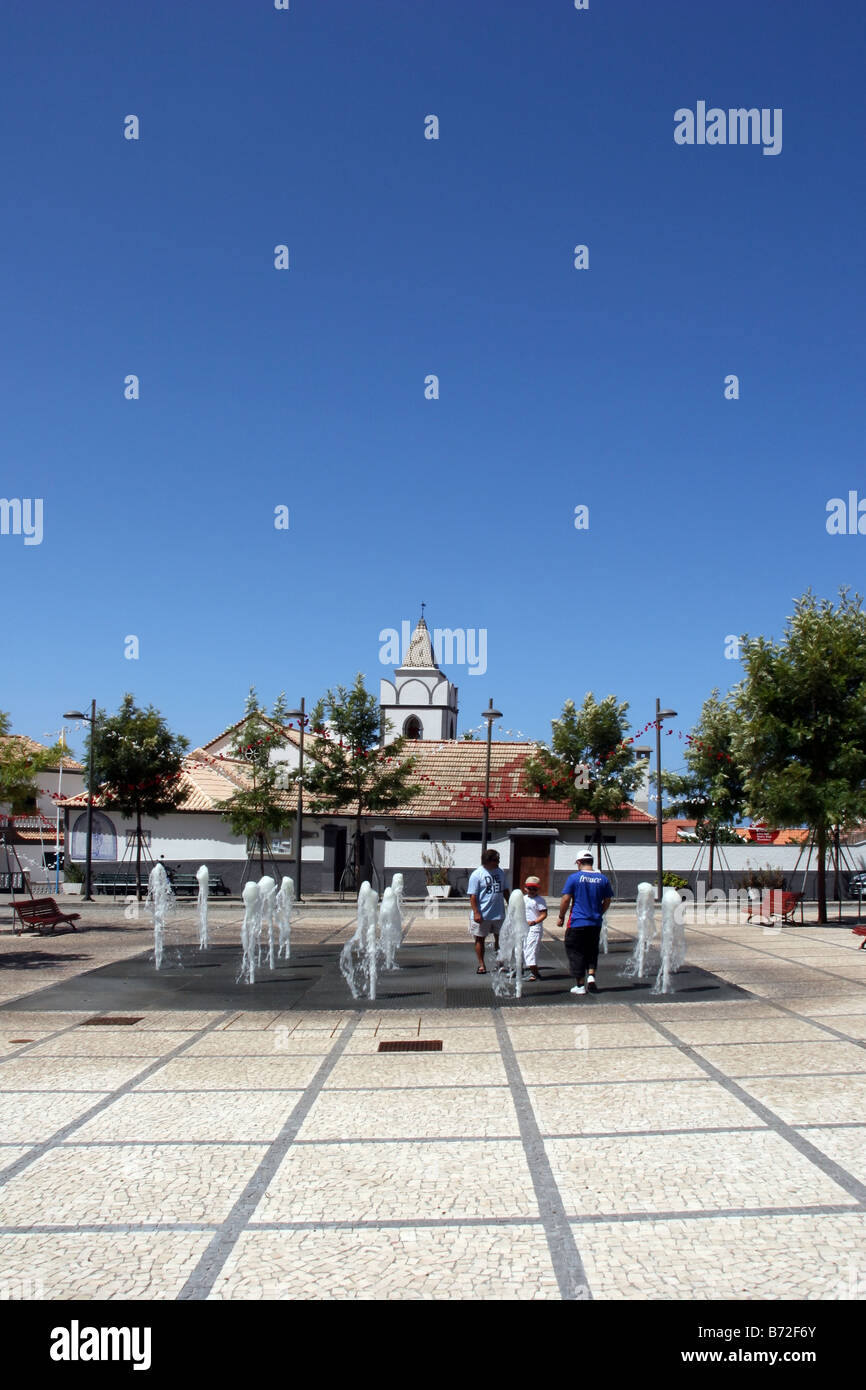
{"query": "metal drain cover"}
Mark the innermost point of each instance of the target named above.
(109, 1022)
(419, 1045)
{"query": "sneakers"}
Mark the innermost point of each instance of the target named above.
(590, 983)
(578, 989)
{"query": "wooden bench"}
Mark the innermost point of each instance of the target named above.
(775, 902)
(41, 914)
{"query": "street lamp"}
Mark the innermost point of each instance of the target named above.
(660, 715)
(301, 717)
(489, 714)
(91, 720)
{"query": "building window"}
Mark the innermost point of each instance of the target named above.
(131, 837)
(412, 727)
(474, 835)
(104, 838)
(275, 845)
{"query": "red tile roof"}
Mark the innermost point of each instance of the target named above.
(452, 781)
(451, 777)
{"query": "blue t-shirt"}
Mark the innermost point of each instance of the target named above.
(589, 890)
(489, 887)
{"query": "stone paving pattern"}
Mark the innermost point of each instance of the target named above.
(687, 1150)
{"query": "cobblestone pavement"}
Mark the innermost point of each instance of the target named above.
(589, 1149)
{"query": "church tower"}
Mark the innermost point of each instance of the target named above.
(420, 702)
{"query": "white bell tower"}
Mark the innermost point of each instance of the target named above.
(420, 702)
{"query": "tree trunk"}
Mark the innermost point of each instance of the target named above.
(358, 848)
(138, 856)
(261, 855)
(821, 846)
(598, 841)
(712, 852)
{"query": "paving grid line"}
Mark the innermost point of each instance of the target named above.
(421, 1138)
(444, 1086)
(803, 934)
(564, 1254)
(21, 1050)
(827, 1028)
(787, 960)
(829, 1167)
(211, 1263)
(584, 1219)
(89, 1228)
(432, 1139)
(38, 1150)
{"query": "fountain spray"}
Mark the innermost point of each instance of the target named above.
(673, 940)
(161, 903)
(251, 932)
(285, 902)
(390, 928)
(203, 886)
(507, 979)
(359, 956)
(268, 896)
(637, 964)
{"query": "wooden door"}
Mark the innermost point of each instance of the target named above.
(530, 854)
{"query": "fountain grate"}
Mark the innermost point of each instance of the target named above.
(416, 1045)
(109, 1022)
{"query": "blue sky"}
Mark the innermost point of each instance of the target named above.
(305, 387)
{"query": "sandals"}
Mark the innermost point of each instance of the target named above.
(482, 970)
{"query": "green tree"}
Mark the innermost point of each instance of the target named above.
(20, 763)
(590, 764)
(260, 809)
(137, 762)
(348, 764)
(711, 791)
(802, 733)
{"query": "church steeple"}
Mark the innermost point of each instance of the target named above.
(420, 702)
(420, 651)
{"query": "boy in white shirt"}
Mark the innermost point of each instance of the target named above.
(536, 911)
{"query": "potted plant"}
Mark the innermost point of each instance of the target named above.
(436, 866)
(670, 880)
(73, 878)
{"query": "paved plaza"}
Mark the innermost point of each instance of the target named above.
(703, 1147)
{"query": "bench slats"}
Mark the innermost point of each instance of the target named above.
(43, 912)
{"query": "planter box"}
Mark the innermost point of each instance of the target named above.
(72, 889)
(438, 890)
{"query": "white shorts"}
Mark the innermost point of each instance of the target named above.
(486, 927)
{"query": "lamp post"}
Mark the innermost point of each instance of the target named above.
(91, 720)
(660, 715)
(57, 817)
(489, 714)
(301, 717)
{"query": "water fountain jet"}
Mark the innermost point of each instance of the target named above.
(161, 903)
(251, 932)
(203, 887)
(285, 903)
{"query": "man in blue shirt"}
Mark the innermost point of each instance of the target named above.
(590, 895)
(487, 890)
